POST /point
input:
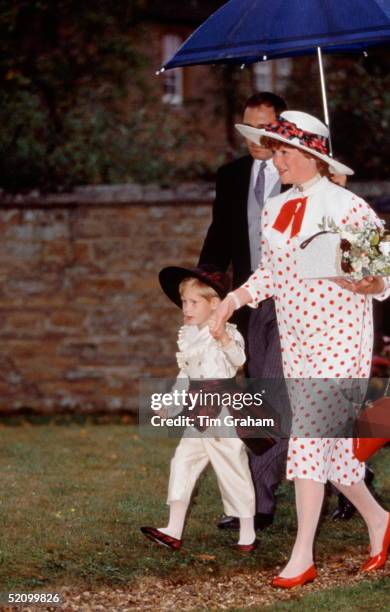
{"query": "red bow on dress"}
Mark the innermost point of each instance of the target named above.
(294, 211)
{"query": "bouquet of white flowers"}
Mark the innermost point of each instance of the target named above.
(365, 251)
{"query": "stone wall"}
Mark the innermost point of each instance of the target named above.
(82, 317)
(81, 313)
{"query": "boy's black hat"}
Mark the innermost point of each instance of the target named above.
(171, 277)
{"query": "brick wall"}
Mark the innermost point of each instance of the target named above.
(81, 313)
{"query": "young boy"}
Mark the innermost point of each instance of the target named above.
(203, 355)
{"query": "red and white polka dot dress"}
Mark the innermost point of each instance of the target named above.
(326, 332)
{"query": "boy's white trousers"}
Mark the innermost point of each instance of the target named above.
(229, 460)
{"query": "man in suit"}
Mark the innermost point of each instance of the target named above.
(233, 238)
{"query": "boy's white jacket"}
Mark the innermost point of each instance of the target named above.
(201, 356)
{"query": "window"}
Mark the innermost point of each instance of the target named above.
(173, 79)
(272, 75)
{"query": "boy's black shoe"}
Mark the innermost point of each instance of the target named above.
(261, 521)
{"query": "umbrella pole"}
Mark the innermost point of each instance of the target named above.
(324, 98)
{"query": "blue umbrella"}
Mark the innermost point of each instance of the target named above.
(245, 31)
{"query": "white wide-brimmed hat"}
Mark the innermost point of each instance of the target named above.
(299, 130)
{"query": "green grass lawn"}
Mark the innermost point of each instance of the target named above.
(73, 498)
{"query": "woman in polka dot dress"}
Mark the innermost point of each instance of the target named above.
(325, 328)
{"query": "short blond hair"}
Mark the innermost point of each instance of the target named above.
(194, 283)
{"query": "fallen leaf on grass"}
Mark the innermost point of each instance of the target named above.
(204, 557)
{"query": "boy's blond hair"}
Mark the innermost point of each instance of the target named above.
(194, 283)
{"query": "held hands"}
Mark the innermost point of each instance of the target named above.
(219, 334)
(368, 285)
(217, 322)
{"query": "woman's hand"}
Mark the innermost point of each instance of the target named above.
(219, 334)
(367, 286)
(222, 314)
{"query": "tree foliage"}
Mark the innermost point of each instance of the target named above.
(65, 66)
(67, 73)
(359, 103)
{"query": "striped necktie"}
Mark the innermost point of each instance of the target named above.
(260, 185)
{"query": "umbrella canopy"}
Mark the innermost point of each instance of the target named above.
(245, 31)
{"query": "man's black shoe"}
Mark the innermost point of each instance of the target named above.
(229, 522)
(262, 521)
(345, 509)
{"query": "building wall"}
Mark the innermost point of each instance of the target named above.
(82, 317)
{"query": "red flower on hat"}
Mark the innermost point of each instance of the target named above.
(290, 130)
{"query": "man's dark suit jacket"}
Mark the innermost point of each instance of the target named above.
(227, 240)
(227, 243)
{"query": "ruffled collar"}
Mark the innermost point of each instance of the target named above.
(190, 335)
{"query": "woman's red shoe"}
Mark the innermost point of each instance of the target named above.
(380, 559)
(300, 580)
